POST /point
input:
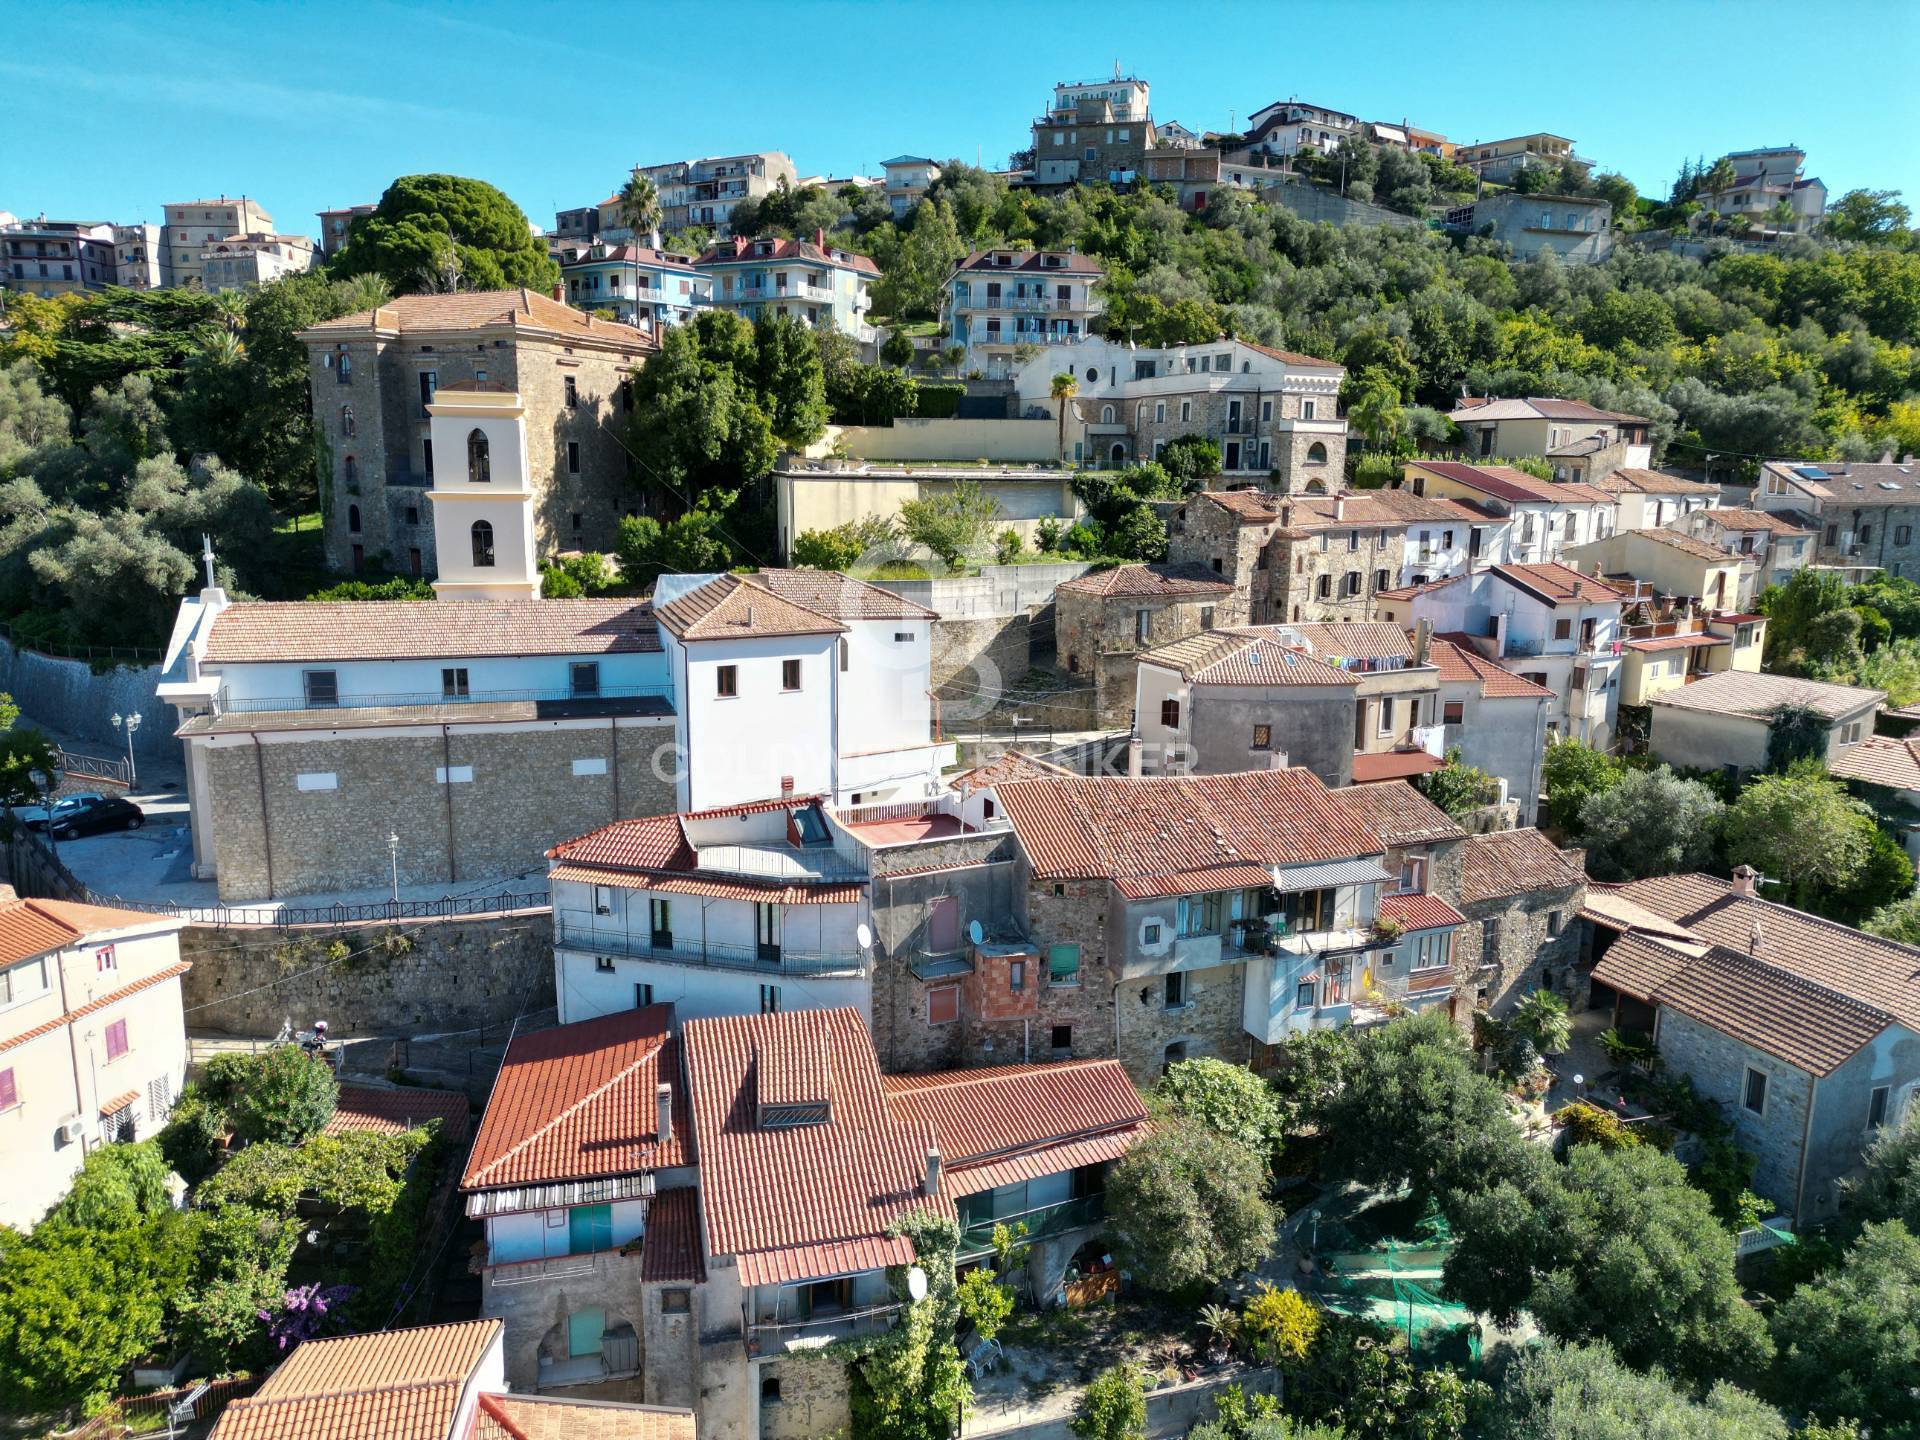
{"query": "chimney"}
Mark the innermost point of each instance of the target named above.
(1340, 507)
(663, 1112)
(1277, 760)
(1422, 639)
(1286, 516)
(1743, 878)
(932, 1185)
(1134, 747)
(1754, 937)
(560, 292)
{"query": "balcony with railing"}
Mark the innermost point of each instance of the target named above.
(620, 696)
(1042, 1222)
(778, 1337)
(980, 300)
(577, 932)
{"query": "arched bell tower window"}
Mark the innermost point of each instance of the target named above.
(482, 543)
(479, 470)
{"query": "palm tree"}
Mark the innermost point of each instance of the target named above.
(1065, 387)
(1716, 182)
(639, 211)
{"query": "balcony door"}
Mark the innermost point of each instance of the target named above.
(585, 1330)
(589, 1228)
(767, 932)
(660, 922)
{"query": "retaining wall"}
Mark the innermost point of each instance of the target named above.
(70, 697)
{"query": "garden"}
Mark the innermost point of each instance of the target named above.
(282, 1231)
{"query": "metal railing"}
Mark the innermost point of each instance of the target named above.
(764, 1334)
(547, 1267)
(1055, 303)
(225, 703)
(97, 767)
(446, 906)
(92, 654)
(976, 1238)
(764, 960)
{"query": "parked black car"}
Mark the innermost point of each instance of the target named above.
(90, 814)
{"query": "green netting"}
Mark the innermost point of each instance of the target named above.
(1391, 1283)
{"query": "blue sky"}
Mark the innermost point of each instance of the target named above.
(309, 105)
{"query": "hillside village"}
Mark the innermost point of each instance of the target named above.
(1240, 783)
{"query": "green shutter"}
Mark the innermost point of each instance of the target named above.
(1063, 962)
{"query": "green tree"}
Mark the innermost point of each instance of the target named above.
(1848, 1345)
(1187, 1208)
(699, 431)
(898, 349)
(118, 1186)
(692, 544)
(1373, 406)
(1870, 216)
(791, 383)
(1557, 1391)
(1800, 829)
(1112, 1407)
(445, 232)
(1650, 823)
(844, 546)
(1571, 771)
(287, 1098)
(1542, 1016)
(1190, 459)
(1457, 787)
(1227, 1099)
(1888, 1186)
(1897, 920)
(952, 523)
(909, 1381)
(985, 1302)
(639, 206)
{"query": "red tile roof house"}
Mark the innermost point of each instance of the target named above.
(1805, 1032)
(434, 1382)
(1104, 620)
(1216, 915)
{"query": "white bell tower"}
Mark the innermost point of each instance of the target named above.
(482, 505)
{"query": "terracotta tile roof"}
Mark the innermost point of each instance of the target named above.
(714, 886)
(654, 843)
(1420, 912)
(1463, 665)
(1007, 765)
(1743, 692)
(1374, 509)
(1177, 834)
(100, 919)
(1545, 407)
(112, 997)
(1356, 639)
(548, 1417)
(107, 1107)
(1504, 482)
(1685, 544)
(578, 1102)
(1513, 862)
(391, 1385)
(1679, 642)
(1605, 907)
(999, 1113)
(1849, 485)
(1631, 481)
(1809, 1025)
(672, 1252)
(1294, 357)
(26, 931)
(1863, 967)
(763, 1199)
(1556, 583)
(289, 631)
(1739, 520)
(1031, 261)
(1245, 655)
(1148, 582)
(1249, 506)
(391, 1110)
(522, 310)
(730, 607)
(635, 255)
(1880, 760)
(1398, 814)
(840, 596)
(1393, 765)
(742, 250)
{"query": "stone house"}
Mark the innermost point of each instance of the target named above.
(1805, 1033)
(1496, 719)
(585, 1149)
(1725, 721)
(1103, 621)
(1862, 516)
(93, 1041)
(1770, 546)
(427, 1382)
(1521, 896)
(1219, 913)
(373, 376)
(1647, 499)
(1096, 130)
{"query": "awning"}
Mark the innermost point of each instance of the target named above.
(560, 1196)
(1326, 875)
(118, 1103)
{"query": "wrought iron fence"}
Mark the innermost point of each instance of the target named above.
(445, 907)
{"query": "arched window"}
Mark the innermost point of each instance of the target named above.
(346, 422)
(1106, 414)
(480, 470)
(1316, 454)
(482, 545)
(1316, 487)
(353, 518)
(352, 468)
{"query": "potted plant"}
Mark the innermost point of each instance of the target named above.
(1222, 1328)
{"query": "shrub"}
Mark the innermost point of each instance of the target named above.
(985, 1302)
(288, 1097)
(1228, 1099)
(1187, 1207)
(190, 1140)
(1542, 1017)
(940, 402)
(1007, 548)
(844, 546)
(1112, 1407)
(1046, 535)
(1282, 1324)
(116, 1187)
(1590, 1125)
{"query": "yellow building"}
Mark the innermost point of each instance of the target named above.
(1672, 563)
(1670, 655)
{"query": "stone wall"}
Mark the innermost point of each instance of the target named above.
(1098, 636)
(1718, 1064)
(814, 1398)
(533, 1312)
(975, 661)
(1315, 202)
(78, 702)
(1297, 568)
(1509, 947)
(1209, 1024)
(431, 976)
(522, 799)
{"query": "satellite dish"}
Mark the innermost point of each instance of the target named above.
(916, 1284)
(863, 932)
(976, 932)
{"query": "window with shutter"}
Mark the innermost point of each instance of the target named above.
(116, 1039)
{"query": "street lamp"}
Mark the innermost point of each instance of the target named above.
(129, 723)
(393, 854)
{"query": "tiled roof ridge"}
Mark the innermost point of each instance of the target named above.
(1727, 954)
(983, 1074)
(560, 851)
(112, 997)
(1728, 893)
(311, 1397)
(501, 1418)
(758, 583)
(478, 1179)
